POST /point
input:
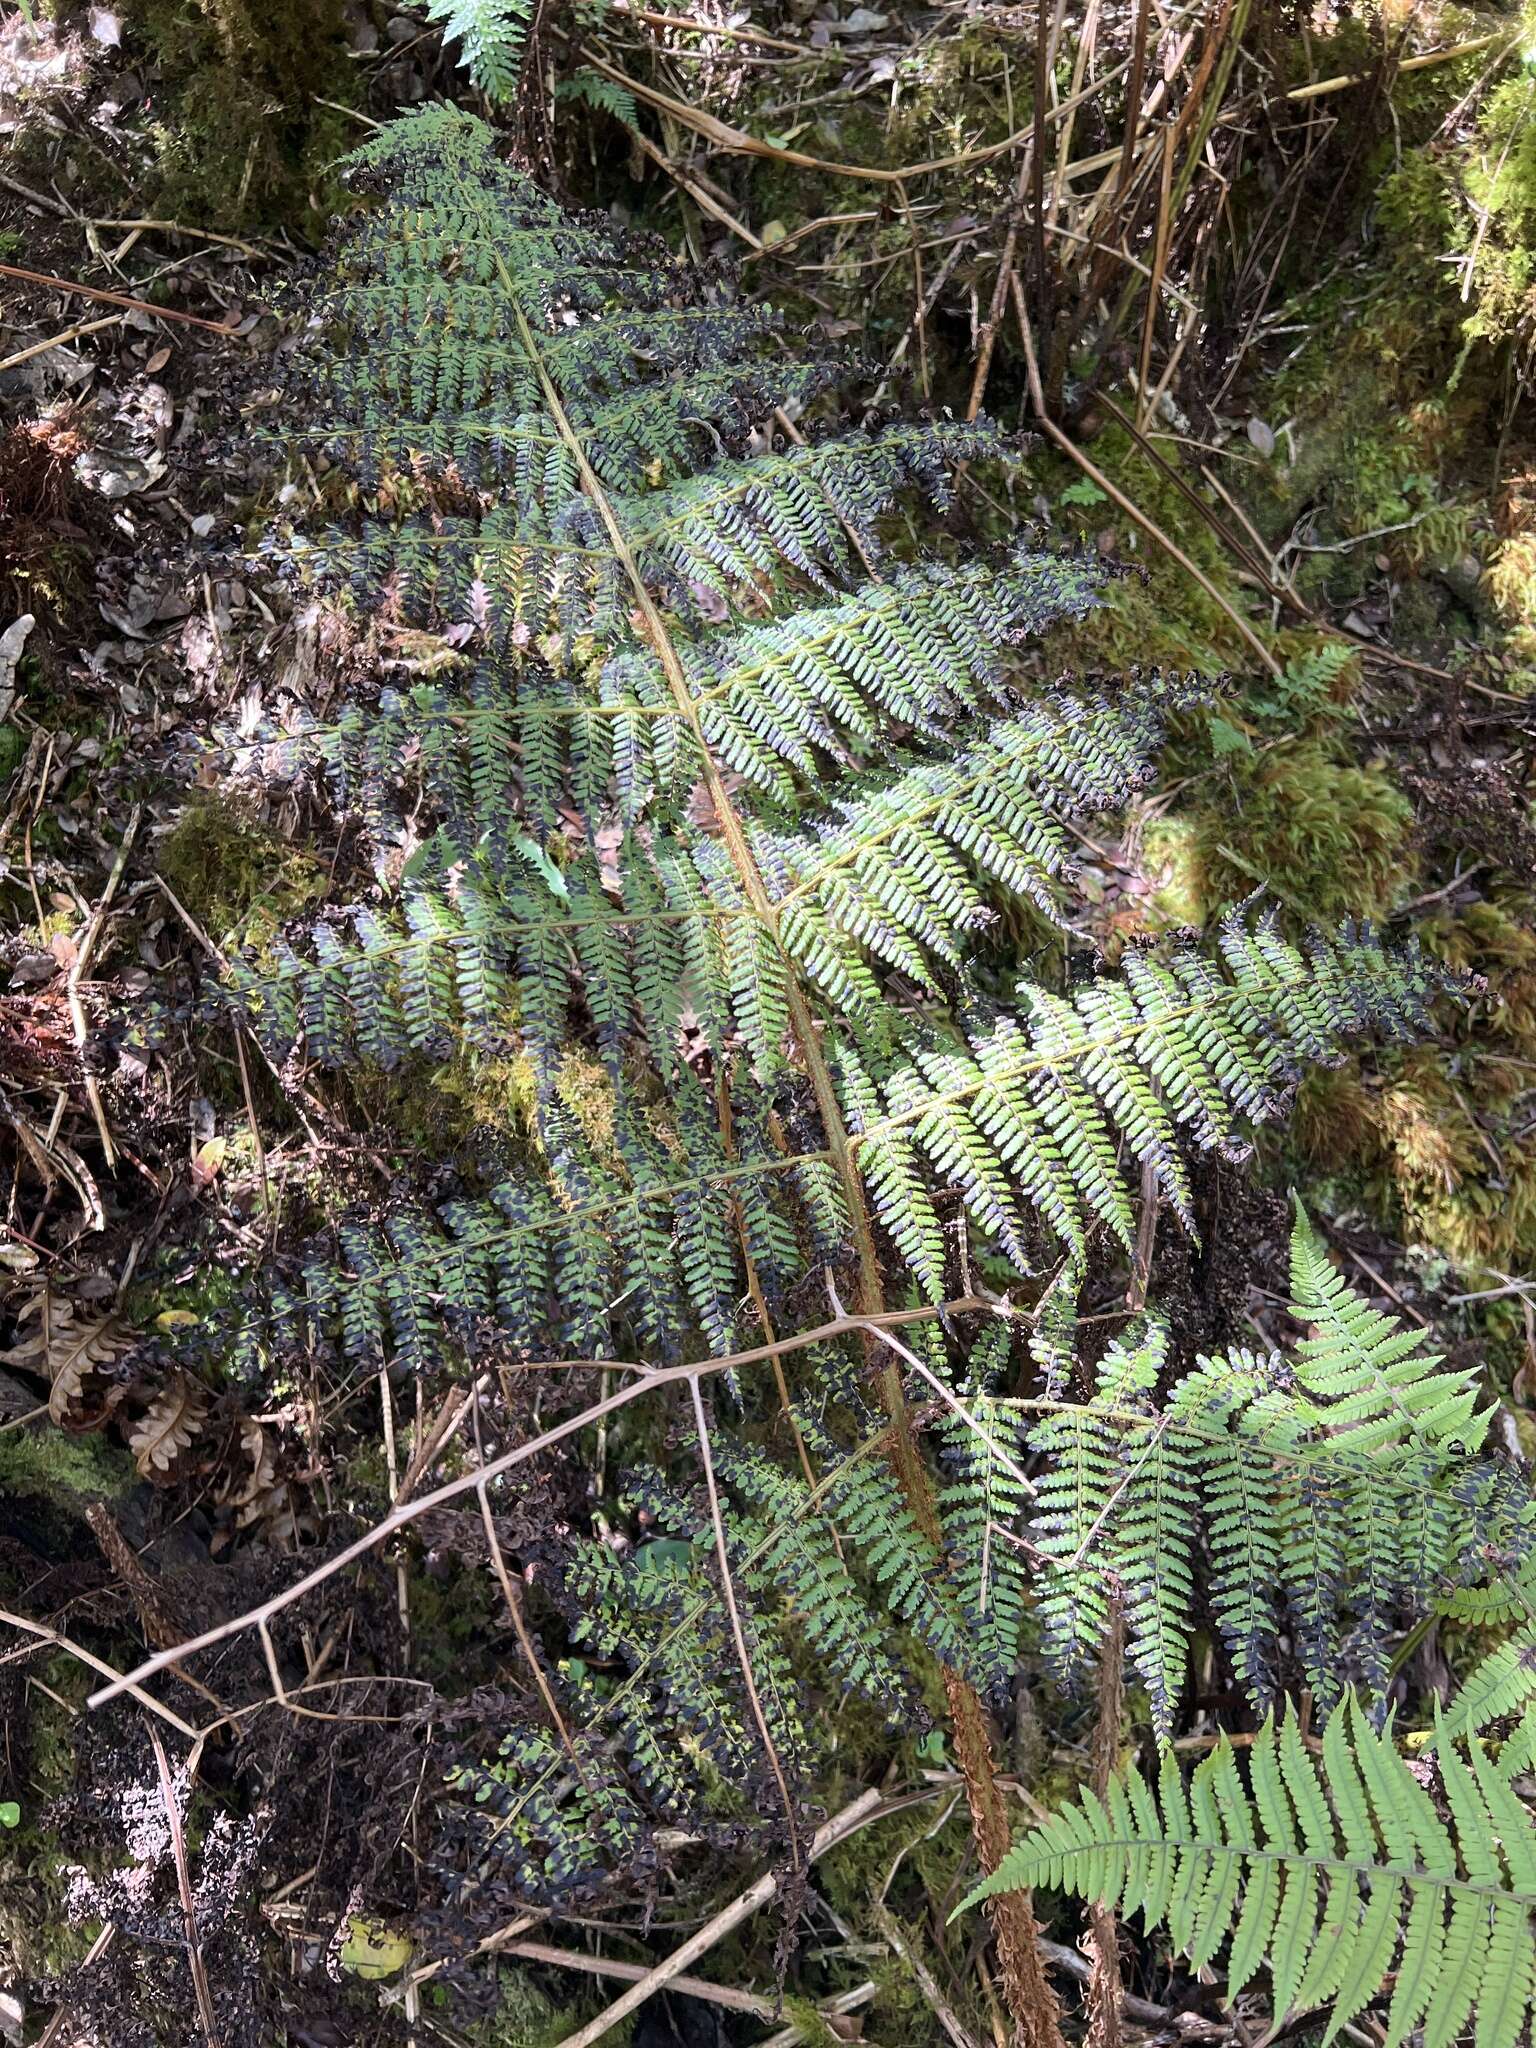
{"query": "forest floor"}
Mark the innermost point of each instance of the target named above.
(1352, 478)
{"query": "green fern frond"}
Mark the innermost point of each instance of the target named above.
(1334, 1871)
(1373, 1374)
(556, 1826)
(795, 1555)
(491, 35)
(592, 89)
(1076, 1497)
(1312, 1518)
(1499, 1685)
(1035, 1109)
(693, 783)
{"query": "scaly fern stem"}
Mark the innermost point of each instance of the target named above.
(1030, 1997)
(1104, 1986)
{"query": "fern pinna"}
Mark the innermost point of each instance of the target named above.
(1324, 1494)
(706, 793)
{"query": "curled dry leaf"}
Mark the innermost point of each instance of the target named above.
(68, 1350)
(247, 1488)
(170, 1422)
(264, 1502)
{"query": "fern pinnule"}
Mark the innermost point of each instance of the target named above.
(491, 35)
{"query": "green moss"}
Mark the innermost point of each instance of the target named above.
(452, 1624)
(233, 874)
(244, 140)
(1156, 615)
(1327, 838)
(43, 1463)
(527, 2016)
(37, 1938)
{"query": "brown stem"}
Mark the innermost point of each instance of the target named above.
(1105, 1990)
(90, 291)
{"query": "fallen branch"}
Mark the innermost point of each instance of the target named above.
(408, 1511)
(1132, 511)
(1322, 86)
(90, 291)
(129, 1684)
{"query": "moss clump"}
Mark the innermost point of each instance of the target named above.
(38, 1940)
(47, 1464)
(245, 141)
(1327, 838)
(234, 875)
(528, 2017)
(1454, 1179)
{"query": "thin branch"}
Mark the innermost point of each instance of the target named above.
(119, 1684)
(89, 291)
(205, 2012)
(858, 1813)
(738, 1633)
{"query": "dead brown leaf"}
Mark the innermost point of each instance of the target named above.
(167, 1426)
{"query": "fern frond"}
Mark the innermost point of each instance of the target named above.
(555, 1826)
(1036, 1108)
(592, 89)
(1499, 1685)
(1374, 1376)
(1313, 1520)
(794, 1552)
(490, 35)
(871, 1514)
(1336, 1872)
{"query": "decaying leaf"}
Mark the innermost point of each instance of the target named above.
(373, 1950)
(66, 1349)
(265, 1503)
(170, 1422)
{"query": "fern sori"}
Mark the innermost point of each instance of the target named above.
(1333, 1868)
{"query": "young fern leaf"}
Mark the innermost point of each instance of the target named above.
(1335, 1872)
